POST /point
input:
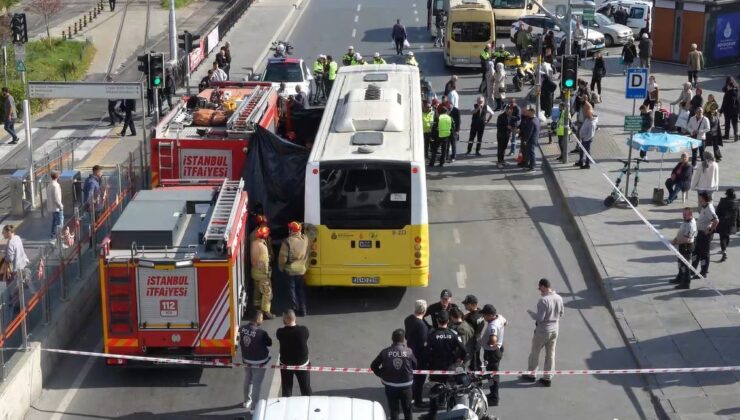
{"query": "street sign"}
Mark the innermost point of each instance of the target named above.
(632, 123)
(636, 83)
(20, 66)
(588, 15)
(20, 52)
(84, 90)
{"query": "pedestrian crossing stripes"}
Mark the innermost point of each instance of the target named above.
(55, 141)
(86, 142)
(6, 148)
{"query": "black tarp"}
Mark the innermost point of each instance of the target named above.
(305, 124)
(274, 176)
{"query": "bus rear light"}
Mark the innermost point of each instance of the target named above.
(313, 254)
(417, 247)
(313, 261)
(414, 170)
(417, 239)
(314, 246)
(417, 262)
(417, 254)
(315, 171)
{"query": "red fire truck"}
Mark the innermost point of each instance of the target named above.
(183, 147)
(172, 277)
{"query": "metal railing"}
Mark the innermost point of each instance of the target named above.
(50, 277)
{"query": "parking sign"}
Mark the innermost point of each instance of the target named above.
(636, 83)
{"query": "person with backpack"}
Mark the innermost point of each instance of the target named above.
(629, 52)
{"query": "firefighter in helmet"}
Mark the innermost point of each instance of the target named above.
(261, 271)
(292, 261)
(261, 220)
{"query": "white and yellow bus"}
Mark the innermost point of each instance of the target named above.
(470, 26)
(366, 182)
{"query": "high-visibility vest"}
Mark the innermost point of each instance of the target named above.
(411, 61)
(485, 55)
(332, 70)
(560, 130)
(260, 259)
(427, 119)
(318, 68)
(379, 60)
(444, 126)
(347, 59)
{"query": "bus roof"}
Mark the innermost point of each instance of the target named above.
(373, 113)
(468, 4)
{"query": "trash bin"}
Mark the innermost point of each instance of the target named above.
(71, 182)
(20, 192)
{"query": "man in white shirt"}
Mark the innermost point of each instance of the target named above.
(15, 257)
(218, 74)
(697, 128)
(54, 203)
(453, 96)
(492, 342)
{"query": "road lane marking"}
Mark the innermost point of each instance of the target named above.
(6, 148)
(462, 275)
(413, 4)
(417, 19)
(86, 145)
(456, 235)
(359, 6)
(354, 31)
(61, 409)
(416, 12)
(357, 18)
(489, 187)
(55, 141)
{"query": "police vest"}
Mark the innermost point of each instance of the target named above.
(427, 121)
(295, 251)
(347, 59)
(412, 62)
(332, 70)
(485, 55)
(444, 126)
(318, 68)
(379, 61)
(560, 130)
(260, 258)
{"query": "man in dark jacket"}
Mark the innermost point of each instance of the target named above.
(399, 36)
(464, 331)
(445, 351)
(395, 365)
(503, 133)
(293, 352)
(417, 332)
(646, 50)
(476, 320)
(113, 114)
(444, 305)
(129, 106)
(255, 344)
(728, 212)
(482, 114)
(529, 132)
(680, 179)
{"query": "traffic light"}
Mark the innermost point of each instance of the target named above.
(187, 40)
(570, 71)
(156, 70)
(144, 63)
(18, 28)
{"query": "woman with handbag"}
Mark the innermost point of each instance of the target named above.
(598, 73)
(698, 127)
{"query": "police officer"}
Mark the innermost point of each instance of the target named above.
(395, 365)
(331, 73)
(428, 118)
(292, 261)
(377, 59)
(464, 331)
(492, 342)
(476, 320)
(129, 106)
(444, 305)
(417, 331)
(255, 344)
(445, 127)
(262, 271)
(485, 57)
(445, 351)
(411, 60)
(349, 57)
(500, 55)
(684, 240)
(318, 78)
(358, 60)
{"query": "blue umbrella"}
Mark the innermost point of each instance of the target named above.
(663, 143)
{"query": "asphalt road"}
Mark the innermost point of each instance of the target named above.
(494, 233)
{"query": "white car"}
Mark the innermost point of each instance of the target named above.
(318, 408)
(541, 23)
(614, 33)
(639, 13)
(291, 71)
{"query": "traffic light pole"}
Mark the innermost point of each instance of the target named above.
(29, 141)
(629, 155)
(145, 139)
(566, 95)
(187, 73)
(155, 94)
(173, 32)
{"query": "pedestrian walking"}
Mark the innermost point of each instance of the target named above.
(417, 333)
(599, 72)
(445, 304)
(714, 135)
(398, 34)
(481, 116)
(15, 262)
(394, 366)
(255, 345)
(504, 131)
(92, 193)
(10, 116)
(586, 134)
(680, 179)
(629, 52)
(728, 213)
(492, 342)
(262, 271)
(54, 203)
(444, 129)
(112, 4)
(499, 86)
(646, 51)
(697, 127)
(465, 332)
(547, 324)
(684, 240)
(293, 340)
(706, 176)
(445, 351)
(113, 115)
(706, 224)
(514, 121)
(730, 107)
(169, 89)
(292, 261)
(695, 64)
(529, 132)
(475, 318)
(129, 107)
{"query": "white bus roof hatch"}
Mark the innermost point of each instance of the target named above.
(372, 109)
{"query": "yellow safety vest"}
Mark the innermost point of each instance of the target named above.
(485, 55)
(412, 62)
(348, 58)
(560, 130)
(379, 60)
(332, 70)
(444, 126)
(318, 68)
(427, 119)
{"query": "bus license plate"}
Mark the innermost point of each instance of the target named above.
(365, 280)
(366, 244)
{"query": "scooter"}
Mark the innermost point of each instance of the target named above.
(524, 75)
(634, 198)
(281, 49)
(461, 397)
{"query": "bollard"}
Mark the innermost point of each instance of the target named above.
(95, 12)
(84, 20)
(75, 28)
(90, 16)
(45, 304)
(20, 278)
(64, 36)
(62, 268)
(69, 31)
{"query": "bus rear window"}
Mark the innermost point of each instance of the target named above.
(365, 196)
(471, 31)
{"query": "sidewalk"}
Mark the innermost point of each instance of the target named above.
(663, 327)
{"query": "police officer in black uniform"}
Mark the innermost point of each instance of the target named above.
(395, 365)
(444, 305)
(477, 321)
(445, 351)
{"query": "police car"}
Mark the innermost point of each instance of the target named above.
(291, 71)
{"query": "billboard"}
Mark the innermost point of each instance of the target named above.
(727, 36)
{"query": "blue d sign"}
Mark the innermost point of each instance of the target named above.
(636, 84)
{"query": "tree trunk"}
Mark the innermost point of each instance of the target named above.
(48, 32)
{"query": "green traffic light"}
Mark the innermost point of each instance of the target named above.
(569, 83)
(157, 81)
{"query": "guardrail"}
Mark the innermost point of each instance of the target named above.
(58, 267)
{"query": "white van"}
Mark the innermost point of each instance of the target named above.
(640, 13)
(318, 408)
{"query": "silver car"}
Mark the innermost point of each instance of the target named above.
(614, 33)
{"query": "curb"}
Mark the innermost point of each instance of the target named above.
(662, 405)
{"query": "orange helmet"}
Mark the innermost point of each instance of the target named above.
(263, 232)
(294, 227)
(261, 219)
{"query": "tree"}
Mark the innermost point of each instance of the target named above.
(5, 5)
(46, 9)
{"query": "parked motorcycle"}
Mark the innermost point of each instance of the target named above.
(461, 397)
(281, 49)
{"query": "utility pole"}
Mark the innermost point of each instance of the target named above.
(173, 32)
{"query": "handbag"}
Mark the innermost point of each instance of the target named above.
(406, 43)
(621, 61)
(5, 271)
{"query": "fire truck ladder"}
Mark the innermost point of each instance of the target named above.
(224, 211)
(166, 159)
(248, 113)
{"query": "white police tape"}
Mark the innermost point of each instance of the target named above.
(328, 369)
